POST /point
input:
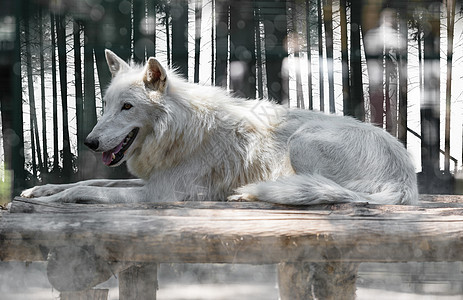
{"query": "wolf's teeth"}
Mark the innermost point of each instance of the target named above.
(130, 134)
(113, 156)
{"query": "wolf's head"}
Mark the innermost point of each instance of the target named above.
(133, 101)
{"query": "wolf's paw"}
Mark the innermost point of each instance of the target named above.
(242, 198)
(41, 191)
(29, 193)
(50, 195)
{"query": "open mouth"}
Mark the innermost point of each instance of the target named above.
(112, 157)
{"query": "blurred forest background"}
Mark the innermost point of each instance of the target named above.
(392, 63)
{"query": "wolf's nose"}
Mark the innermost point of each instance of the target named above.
(92, 143)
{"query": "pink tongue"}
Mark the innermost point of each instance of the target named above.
(108, 155)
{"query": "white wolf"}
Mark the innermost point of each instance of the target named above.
(191, 142)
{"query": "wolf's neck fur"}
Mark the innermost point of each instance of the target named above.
(225, 141)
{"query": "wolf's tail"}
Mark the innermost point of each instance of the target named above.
(309, 189)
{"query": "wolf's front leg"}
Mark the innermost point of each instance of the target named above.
(45, 190)
(97, 194)
(51, 189)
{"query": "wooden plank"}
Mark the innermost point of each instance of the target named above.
(25, 205)
(138, 282)
(92, 294)
(309, 281)
(183, 233)
(442, 198)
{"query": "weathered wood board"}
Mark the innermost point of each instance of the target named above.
(254, 233)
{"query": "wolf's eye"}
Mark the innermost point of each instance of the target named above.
(127, 106)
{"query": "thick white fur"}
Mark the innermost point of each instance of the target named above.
(200, 143)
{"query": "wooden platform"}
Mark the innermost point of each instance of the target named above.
(112, 239)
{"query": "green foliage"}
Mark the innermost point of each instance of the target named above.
(5, 186)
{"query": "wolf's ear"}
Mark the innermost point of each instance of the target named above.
(155, 75)
(115, 63)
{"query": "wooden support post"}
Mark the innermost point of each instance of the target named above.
(75, 268)
(93, 294)
(331, 280)
(139, 282)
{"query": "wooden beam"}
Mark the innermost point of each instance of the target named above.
(208, 232)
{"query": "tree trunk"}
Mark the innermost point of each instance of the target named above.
(391, 92)
(403, 77)
(79, 94)
(309, 54)
(321, 76)
(356, 107)
(420, 62)
(61, 40)
(116, 26)
(328, 20)
(260, 75)
(144, 29)
(374, 54)
(104, 76)
(168, 37)
(221, 39)
(295, 41)
(35, 142)
(179, 14)
(151, 32)
(344, 59)
(55, 96)
(30, 85)
(44, 169)
(121, 39)
(430, 106)
(11, 104)
(198, 13)
(89, 116)
(139, 24)
(448, 98)
(275, 30)
(242, 49)
(213, 41)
